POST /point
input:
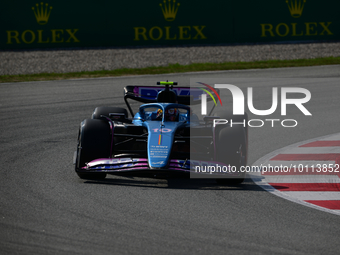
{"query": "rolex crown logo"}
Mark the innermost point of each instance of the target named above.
(295, 7)
(169, 9)
(42, 13)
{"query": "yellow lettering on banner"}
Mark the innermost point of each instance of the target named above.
(199, 32)
(325, 28)
(71, 34)
(167, 33)
(183, 30)
(160, 31)
(56, 35)
(294, 30)
(310, 26)
(40, 37)
(138, 33)
(23, 36)
(278, 29)
(10, 36)
(311, 29)
(267, 28)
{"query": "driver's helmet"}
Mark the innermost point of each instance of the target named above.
(172, 114)
(159, 114)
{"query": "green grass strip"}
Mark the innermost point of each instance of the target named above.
(173, 68)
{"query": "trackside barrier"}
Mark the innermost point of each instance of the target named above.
(32, 24)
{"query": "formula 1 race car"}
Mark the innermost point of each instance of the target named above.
(164, 137)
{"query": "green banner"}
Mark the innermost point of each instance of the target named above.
(60, 24)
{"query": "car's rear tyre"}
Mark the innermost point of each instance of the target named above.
(99, 112)
(94, 141)
(231, 149)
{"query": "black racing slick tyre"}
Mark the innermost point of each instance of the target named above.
(228, 115)
(94, 141)
(99, 112)
(231, 149)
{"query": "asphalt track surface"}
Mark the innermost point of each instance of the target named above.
(46, 209)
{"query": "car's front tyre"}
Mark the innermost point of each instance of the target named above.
(94, 142)
(231, 149)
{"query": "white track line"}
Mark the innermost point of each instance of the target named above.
(311, 150)
(302, 179)
(335, 137)
(314, 195)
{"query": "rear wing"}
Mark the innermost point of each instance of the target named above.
(148, 94)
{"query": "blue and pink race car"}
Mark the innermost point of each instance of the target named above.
(163, 138)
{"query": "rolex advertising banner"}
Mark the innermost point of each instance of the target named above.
(31, 24)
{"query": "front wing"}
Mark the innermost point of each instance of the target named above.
(121, 165)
